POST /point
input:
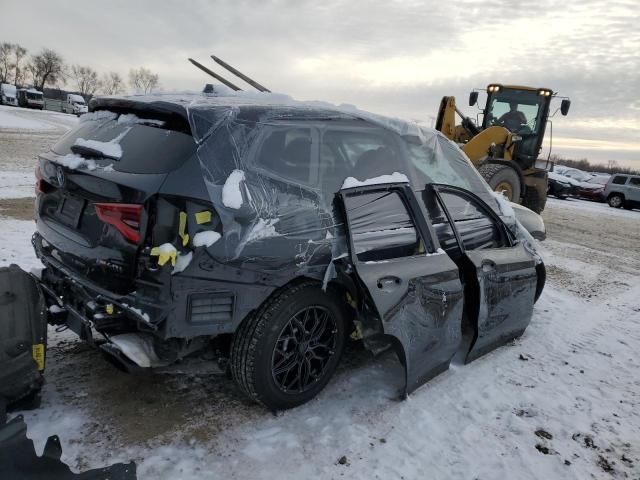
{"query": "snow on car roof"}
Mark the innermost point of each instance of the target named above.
(225, 97)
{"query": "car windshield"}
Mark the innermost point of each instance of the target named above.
(34, 96)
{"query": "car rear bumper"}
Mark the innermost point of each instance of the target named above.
(86, 307)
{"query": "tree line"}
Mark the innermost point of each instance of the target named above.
(611, 167)
(48, 68)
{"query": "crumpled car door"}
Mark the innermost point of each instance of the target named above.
(415, 291)
(504, 269)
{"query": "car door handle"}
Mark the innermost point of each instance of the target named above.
(488, 265)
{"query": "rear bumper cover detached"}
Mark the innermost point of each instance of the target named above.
(85, 307)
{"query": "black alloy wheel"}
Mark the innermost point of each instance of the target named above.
(303, 350)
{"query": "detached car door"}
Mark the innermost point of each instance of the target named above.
(500, 271)
(416, 292)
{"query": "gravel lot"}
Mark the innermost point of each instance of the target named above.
(560, 402)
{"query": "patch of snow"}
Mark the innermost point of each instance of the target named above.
(12, 120)
(231, 193)
(111, 149)
(137, 347)
(56, 309)
(131, 119)
(263, 229)
(182, 262)
(15, 244)
(505, 206)
(17, 184)
(206, 238)
(74, 162)
(76, 98)
(144, 315)
(103, 115)
(395, 177)
(167, 248)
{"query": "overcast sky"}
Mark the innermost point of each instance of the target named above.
(392, 57)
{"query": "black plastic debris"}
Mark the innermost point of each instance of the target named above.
(18, 459)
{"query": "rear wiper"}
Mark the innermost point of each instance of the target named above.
(90, 152)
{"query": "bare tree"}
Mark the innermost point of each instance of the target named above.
(47, 68)
(19, 53)
(86, 79)
(6, 49)
(143, 80)
(112, 84)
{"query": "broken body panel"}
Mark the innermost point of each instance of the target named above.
(260, 182)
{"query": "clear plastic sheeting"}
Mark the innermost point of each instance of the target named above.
(294, 157)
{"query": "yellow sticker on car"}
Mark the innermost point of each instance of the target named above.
(182, 227)
(38, 355)
(203, 217)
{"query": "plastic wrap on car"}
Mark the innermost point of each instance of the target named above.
(288, 217)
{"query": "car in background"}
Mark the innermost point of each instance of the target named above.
(593, 188)
(560, 186)
(573, 173)
(623, 191)
(8, 95)
(30, 98)
(74, 104)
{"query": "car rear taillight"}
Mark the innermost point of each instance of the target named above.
(125, 217)
(42, 186)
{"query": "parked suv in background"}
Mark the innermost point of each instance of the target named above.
(623, 191)
(269, 231)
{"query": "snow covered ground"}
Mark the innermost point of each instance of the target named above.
(560, 402)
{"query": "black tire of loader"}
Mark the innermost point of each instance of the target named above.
(534, 201)
(494, 174)
(249, 370)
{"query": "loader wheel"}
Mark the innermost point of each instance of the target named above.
(502, 178)
(285, 353)
(534, 201)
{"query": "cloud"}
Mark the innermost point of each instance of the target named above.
(393, 57)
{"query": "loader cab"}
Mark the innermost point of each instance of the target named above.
(524, 112)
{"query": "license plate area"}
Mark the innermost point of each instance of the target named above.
(70, 211)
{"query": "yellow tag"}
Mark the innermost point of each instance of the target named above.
(109, 308)
(38, 355)
(203, 217)
(164, 257)
(181, 229)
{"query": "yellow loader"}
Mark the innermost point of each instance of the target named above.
(505, 146)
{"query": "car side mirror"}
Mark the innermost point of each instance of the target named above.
(564, 106)
(473, 98)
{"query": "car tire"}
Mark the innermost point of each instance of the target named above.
(271, 335)
(502, 175)
(615, 201)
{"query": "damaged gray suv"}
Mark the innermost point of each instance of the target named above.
(270, 232)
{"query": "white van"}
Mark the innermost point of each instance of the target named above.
(8, 95)
(74, 104)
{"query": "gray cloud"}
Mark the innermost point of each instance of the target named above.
(586, 49)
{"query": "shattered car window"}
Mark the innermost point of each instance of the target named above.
(381, 227)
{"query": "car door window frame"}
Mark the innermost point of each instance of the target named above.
(415, 211)
(435, 189)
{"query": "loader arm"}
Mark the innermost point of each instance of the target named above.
(491, 142)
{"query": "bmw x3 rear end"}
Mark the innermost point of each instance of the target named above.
(255, 228)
